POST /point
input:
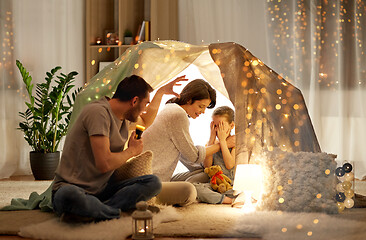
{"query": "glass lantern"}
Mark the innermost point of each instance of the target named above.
(142, 227)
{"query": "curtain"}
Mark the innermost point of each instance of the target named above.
(317, 45)
(41, 34)
(211, 21)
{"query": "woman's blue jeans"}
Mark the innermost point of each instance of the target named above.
(116, 197)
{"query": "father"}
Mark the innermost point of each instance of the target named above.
(83, 189)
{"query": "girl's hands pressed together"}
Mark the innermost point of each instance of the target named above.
(212, 134)
(223, 131)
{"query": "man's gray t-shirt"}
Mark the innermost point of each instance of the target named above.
(77, 164)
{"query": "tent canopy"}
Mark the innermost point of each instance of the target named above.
(270, 112)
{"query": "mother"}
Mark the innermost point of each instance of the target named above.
(169, 140)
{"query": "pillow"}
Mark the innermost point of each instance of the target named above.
(298, 182)
(136, 166)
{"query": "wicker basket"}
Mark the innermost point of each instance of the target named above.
(135, 166)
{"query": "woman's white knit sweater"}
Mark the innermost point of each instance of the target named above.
(169, 140)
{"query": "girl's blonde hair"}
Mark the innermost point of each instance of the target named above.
(225, 111)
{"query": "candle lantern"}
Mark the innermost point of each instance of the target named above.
(142, 227)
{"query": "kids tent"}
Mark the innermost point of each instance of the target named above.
(270, 112)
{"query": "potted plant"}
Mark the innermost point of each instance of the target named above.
(127, 37)
(46, 119)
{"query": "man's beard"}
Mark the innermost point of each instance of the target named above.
(133, 114)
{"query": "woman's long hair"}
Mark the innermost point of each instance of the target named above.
(197, 89)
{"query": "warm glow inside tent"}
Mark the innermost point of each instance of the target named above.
(270, 112)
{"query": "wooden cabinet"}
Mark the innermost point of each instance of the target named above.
(105, 17)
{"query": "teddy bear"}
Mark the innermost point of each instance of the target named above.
(219, 181)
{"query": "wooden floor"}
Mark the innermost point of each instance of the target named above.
(30, 178)
(20, 238)
(354, 214)
(19, 178)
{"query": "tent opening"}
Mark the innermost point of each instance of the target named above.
(200, 127)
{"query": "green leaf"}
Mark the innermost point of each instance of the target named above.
(30, 106)
(47, 117)
(68, 88)
(53, 71)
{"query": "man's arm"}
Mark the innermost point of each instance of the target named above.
(105, 160)
(147, 118)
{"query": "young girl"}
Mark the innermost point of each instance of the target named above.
(221, 126)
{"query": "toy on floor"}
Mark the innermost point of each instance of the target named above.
(219, 181)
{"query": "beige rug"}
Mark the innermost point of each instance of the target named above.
(12, 221)
(205, 221)
(197, 220)
(20, 189)
(116, 229)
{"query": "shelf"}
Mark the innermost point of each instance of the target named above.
(111, 46)
(117, 16)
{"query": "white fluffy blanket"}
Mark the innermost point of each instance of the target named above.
(114, 229)
(205, 220)
(289, 226)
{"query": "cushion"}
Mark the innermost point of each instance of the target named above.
(298, 182)
(135, 166)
